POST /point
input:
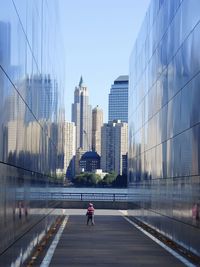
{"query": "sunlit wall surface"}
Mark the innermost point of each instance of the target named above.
(164, 121)
(31, 116)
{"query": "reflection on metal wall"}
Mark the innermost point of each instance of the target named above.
(31, 113)
(164, 120)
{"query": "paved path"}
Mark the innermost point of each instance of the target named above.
(111, 242)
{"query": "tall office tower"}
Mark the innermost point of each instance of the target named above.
(82, 117)
(41, 93)
(69, 149)
(114, 146)
(5, 44)
(164, 121)
(5, 54)
(97, 123)
(118, 100)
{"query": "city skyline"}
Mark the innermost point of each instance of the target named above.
(142, 164)
(98, 38)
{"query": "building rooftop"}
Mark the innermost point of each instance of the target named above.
(97, 108)
(121, 79)
(90, 155)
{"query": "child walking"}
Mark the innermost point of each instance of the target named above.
(90, 214)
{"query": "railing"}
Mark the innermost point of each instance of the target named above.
(62, 196)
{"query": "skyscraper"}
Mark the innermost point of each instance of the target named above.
(114, 146)
(41, 93)
(5, 44)
(69, 149)
(118, 100)
(97, 123)
(82, 117)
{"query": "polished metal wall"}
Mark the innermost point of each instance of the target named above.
(164, 121)
(31, 118)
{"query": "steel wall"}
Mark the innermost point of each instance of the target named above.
(31, 120)
(164, 121)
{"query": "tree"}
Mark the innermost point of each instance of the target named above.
(86, 179)
(92, 179)
(108, 179)
(120, 181)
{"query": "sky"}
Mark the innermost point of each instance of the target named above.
(98, 37)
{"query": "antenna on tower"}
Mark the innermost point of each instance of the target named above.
(81, 81)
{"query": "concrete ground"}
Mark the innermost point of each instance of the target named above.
(111, 242)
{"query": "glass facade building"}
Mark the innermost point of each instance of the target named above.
(164, 121)
(118, 100)
(31, 121)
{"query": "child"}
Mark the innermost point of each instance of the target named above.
(90, 214)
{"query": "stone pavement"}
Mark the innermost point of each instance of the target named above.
(111, 242)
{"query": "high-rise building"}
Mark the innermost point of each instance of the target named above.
(164, 121)
(5, 53)
(5, 44)
(82, 117)
(69, 149)
(118, 100)
(41, 93)
(97, 123)
(114, 146)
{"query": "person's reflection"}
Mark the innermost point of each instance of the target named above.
(195, 211)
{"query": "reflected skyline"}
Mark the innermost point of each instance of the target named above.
(31, 121)
(164, 120)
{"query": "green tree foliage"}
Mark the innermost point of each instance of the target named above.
(108, 179)
(120, 181)
(94, 180)
(86, 179)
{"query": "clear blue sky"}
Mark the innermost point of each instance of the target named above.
(98, 38)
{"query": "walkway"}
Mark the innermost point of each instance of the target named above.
(113, 241)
